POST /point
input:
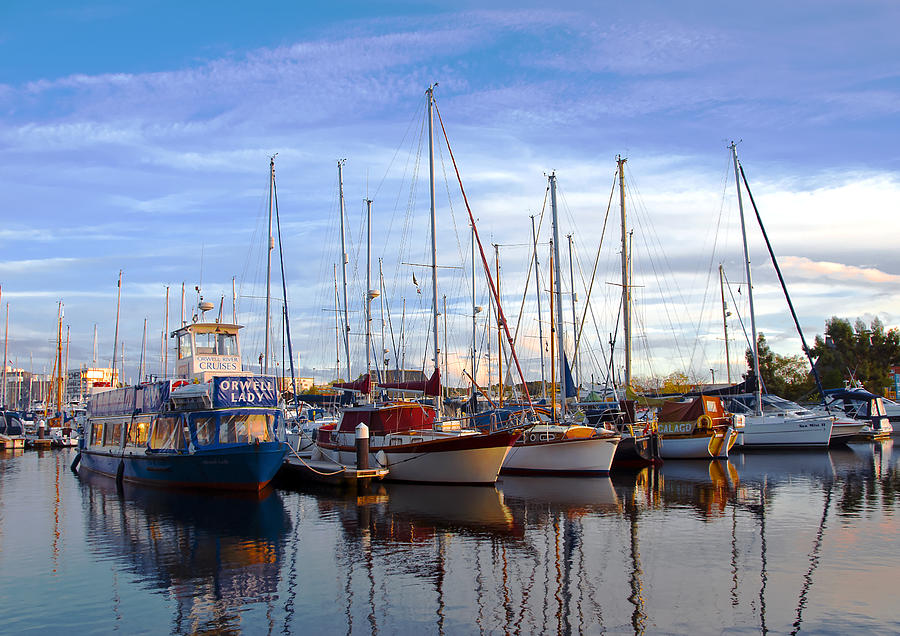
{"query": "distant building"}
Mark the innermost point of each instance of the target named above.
(80, 382)
(894, 389)
(23, 388)
(303, 384)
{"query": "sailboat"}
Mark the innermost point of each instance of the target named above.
(556, 444)
(408, 438)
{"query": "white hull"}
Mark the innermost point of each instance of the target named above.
(697, 447)
(782, 431)
(579, 455)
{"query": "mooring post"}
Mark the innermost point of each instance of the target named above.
(362, 446)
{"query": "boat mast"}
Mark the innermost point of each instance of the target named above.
(143, 350)
(344, 261)
(499, 333)
(737, 184)
(269, 248)
(337, 329)
(725, 322)
(475, 311)
(369, 295)
(537, 289)
(59, 365)
(382, 361)
(552, 343)
(574, 316)
(114, 378)
(5, 352)
(560, 329)
(626, 283)
(434, 305)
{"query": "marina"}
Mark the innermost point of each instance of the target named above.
(779, 542)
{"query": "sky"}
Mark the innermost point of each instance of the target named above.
(137, 137)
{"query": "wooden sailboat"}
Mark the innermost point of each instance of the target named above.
(408, 438)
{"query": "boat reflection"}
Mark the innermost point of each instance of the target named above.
(212, 553)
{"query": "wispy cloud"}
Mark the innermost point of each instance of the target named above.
(803, 267)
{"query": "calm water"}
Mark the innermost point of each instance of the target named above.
(780, 542)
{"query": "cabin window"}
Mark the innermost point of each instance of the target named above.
(184, 345)
(166, 433)
(112, 434)
(226, 344)
(137, 432)
(205, 426)
(245, 428)
(97, 434)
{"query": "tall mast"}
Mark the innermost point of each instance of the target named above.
(233, 303)
(369, 295)
(434, 305)
(574, 316)
(5, 352)
(65, 376)
(344, 260)
(115, 358)
(94, 362)
(725, 322)
(446, 361)
(737, 183)
(382, 362)
(269, 248)
(59, 370)
(537, 289)
(143, 350)
(626, 283)
(560, 327)
(166, 331)
(499, 334)
(474, 316)
(552, 343)
(337, 330)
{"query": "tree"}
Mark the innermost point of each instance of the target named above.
(786, 376)
(861, 352)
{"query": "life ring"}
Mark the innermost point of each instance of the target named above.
(704, 421)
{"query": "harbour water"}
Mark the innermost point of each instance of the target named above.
(780, 542)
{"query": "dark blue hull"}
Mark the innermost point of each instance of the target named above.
(239, 467)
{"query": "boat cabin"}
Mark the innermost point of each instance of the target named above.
(206, 350)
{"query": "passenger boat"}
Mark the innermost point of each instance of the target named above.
(214, 426)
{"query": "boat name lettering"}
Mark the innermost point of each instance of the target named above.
(669, 428)
(245, 392)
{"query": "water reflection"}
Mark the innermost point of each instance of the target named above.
(760, 542)
(213, 554)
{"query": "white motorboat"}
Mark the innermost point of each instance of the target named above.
(779, 423)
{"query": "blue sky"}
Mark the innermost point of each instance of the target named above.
(136, 136)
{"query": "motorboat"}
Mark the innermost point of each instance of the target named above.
(213, 426)
(779, 423)
(863, 406)
(697, 428)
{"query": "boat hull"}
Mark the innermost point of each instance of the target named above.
(637, 452)
(245, 467)
(785, 432)
(713, 446)
(455, 459)
(570, 456)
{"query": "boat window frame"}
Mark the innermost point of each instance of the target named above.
(175, 434)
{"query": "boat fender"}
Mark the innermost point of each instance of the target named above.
(75, 462)
(120, 473)
(381, 458)
(704, 421)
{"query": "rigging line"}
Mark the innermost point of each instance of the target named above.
(587, 300)
(410, 203)
(500, 317)
(287, 319)
(783, 287)
(528, 277)
(737, 309)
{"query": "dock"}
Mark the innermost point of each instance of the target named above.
(322, 470)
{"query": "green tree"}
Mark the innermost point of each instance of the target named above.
(863, 352)
(786, 376)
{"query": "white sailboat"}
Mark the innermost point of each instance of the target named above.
(770, 421)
